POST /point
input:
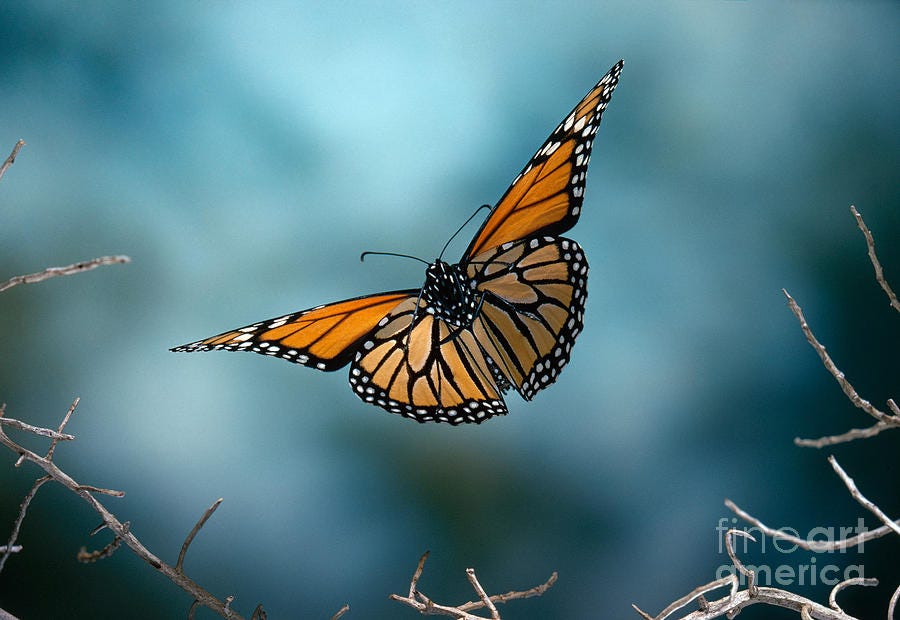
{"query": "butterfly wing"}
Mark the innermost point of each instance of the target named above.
(418, 366)
(533, 308)
(546, 197)
(325, 337)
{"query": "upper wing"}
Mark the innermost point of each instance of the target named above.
(418, 366)
(325, 337)
(546, 197)
(533, 308)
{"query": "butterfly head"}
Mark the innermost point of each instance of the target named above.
(449, 294)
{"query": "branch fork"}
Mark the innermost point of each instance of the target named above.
(425, 606)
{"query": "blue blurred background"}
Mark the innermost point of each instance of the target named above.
(244, 155)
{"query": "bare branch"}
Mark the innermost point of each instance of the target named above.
(17, 525)
(859, 497)
(52, 272)
(260, 614)
(893, 407)
(853, 433)
(848, 389)
(749, 574)
(93, 489)
(425, 606)
(62, 426)
(121, 531)
(879, 272)
(87, 557)
(696, 593)
(340, 612)
(37, 430)
(537, 590)
(856, 581)
(417, 574)
(12, 157)
(190, 537)
(730, 605)
(479, 590)
(809, 545)
(5, 615)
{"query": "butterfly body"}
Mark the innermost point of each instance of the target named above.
(505, 316)
(449, 295)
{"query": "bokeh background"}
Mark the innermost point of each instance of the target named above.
(245, 154)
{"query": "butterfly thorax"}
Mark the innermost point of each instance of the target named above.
(449, 294)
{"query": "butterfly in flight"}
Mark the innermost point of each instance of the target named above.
(506, 315)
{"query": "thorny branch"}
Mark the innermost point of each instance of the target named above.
(427, 607)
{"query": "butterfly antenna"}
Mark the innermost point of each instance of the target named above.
(459, 230)
(362, 257)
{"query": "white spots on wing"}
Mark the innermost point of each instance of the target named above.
(548, 149)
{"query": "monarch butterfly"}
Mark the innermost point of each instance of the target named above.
(505, 316)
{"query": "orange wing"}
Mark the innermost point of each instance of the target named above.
(421, 367)
(325, 337)
(546, 197)
(533, 308)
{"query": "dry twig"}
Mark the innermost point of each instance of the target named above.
(425, 606)
(12, 157)
(736, 600)
(52, 272)
(11, 547)
(190, 537)
(121, 531)
(37, 430)
(839, 376)
(856, 581)
(884, 420)
(810, 545)
(879, 272)
(859, 497)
